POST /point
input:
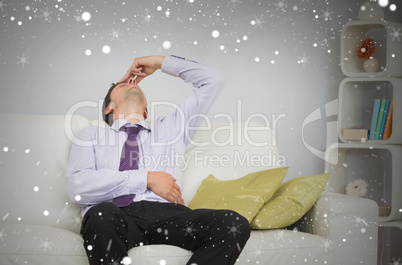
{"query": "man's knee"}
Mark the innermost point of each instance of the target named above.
(232, 224)
(236, 224)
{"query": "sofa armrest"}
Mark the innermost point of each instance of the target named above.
(351, 225)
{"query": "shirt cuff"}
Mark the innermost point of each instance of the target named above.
(137, 182)
(169, 65)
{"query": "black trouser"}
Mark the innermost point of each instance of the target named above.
(214, 236)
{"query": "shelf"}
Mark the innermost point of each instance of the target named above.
(389, 243)
(397, 224)
(356, 100)
(388, 48)
(376, 162)
(379, 165)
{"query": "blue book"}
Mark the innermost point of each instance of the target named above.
(384, 118)
(376, 110)
(379, 120)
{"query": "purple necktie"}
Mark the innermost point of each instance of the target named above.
(129, 160)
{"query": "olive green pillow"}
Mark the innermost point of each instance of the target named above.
(290, 202)
(245, 195)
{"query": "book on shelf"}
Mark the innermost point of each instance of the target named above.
(388, 122)
(376, 110)
(355, 134)
(384, 210)
(380, 115)
(381, 120)
(384, 118)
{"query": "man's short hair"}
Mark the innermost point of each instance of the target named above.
(109, 117)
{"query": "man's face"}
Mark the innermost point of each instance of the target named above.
(123, 90)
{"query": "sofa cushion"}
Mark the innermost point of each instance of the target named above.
(33, 159)
(290, 202)
(32, 244)
(281, 246)
(263, 247)
(37, 244)
(159, 254)
(245, 195)
(228, 151)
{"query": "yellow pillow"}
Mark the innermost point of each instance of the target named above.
(290, 202)
(245, 195)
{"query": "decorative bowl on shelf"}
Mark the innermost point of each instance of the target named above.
(371, 65)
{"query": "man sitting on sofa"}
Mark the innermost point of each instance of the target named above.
(128, 203)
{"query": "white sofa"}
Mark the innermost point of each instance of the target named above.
(39, 225)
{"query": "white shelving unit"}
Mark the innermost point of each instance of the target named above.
(356, 100)
(377, 162)
(388, 48)
(389, 235)
(379, 165)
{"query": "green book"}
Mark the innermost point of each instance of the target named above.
(379, 120)
(374, 118)
(384, 118)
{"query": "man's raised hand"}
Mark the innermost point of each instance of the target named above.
(143, 67)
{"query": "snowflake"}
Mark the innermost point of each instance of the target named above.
(326, 14)
(3, 5)
(326, 244)
(76, 220)
(189, 2)
(258, 21)
(258, 253)
(280, 235)
(325, 42)
(46, 15)
(234, 229)
(280, 5)
(360, 221)
(396, 34)
(116, 34)
(189, 229)
(23, 60)
(303, 60)
(395, 262)
(234, 2)
(45, 244)
(148, 19)
(2, 235)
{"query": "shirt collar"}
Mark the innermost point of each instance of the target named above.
(119, 123)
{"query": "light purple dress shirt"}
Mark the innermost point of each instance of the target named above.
(93, 174)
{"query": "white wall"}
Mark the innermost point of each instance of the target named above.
(304, 75)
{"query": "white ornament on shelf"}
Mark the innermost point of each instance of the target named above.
(357, 188)
(371, 10)
(371, 65)
(395, 262)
